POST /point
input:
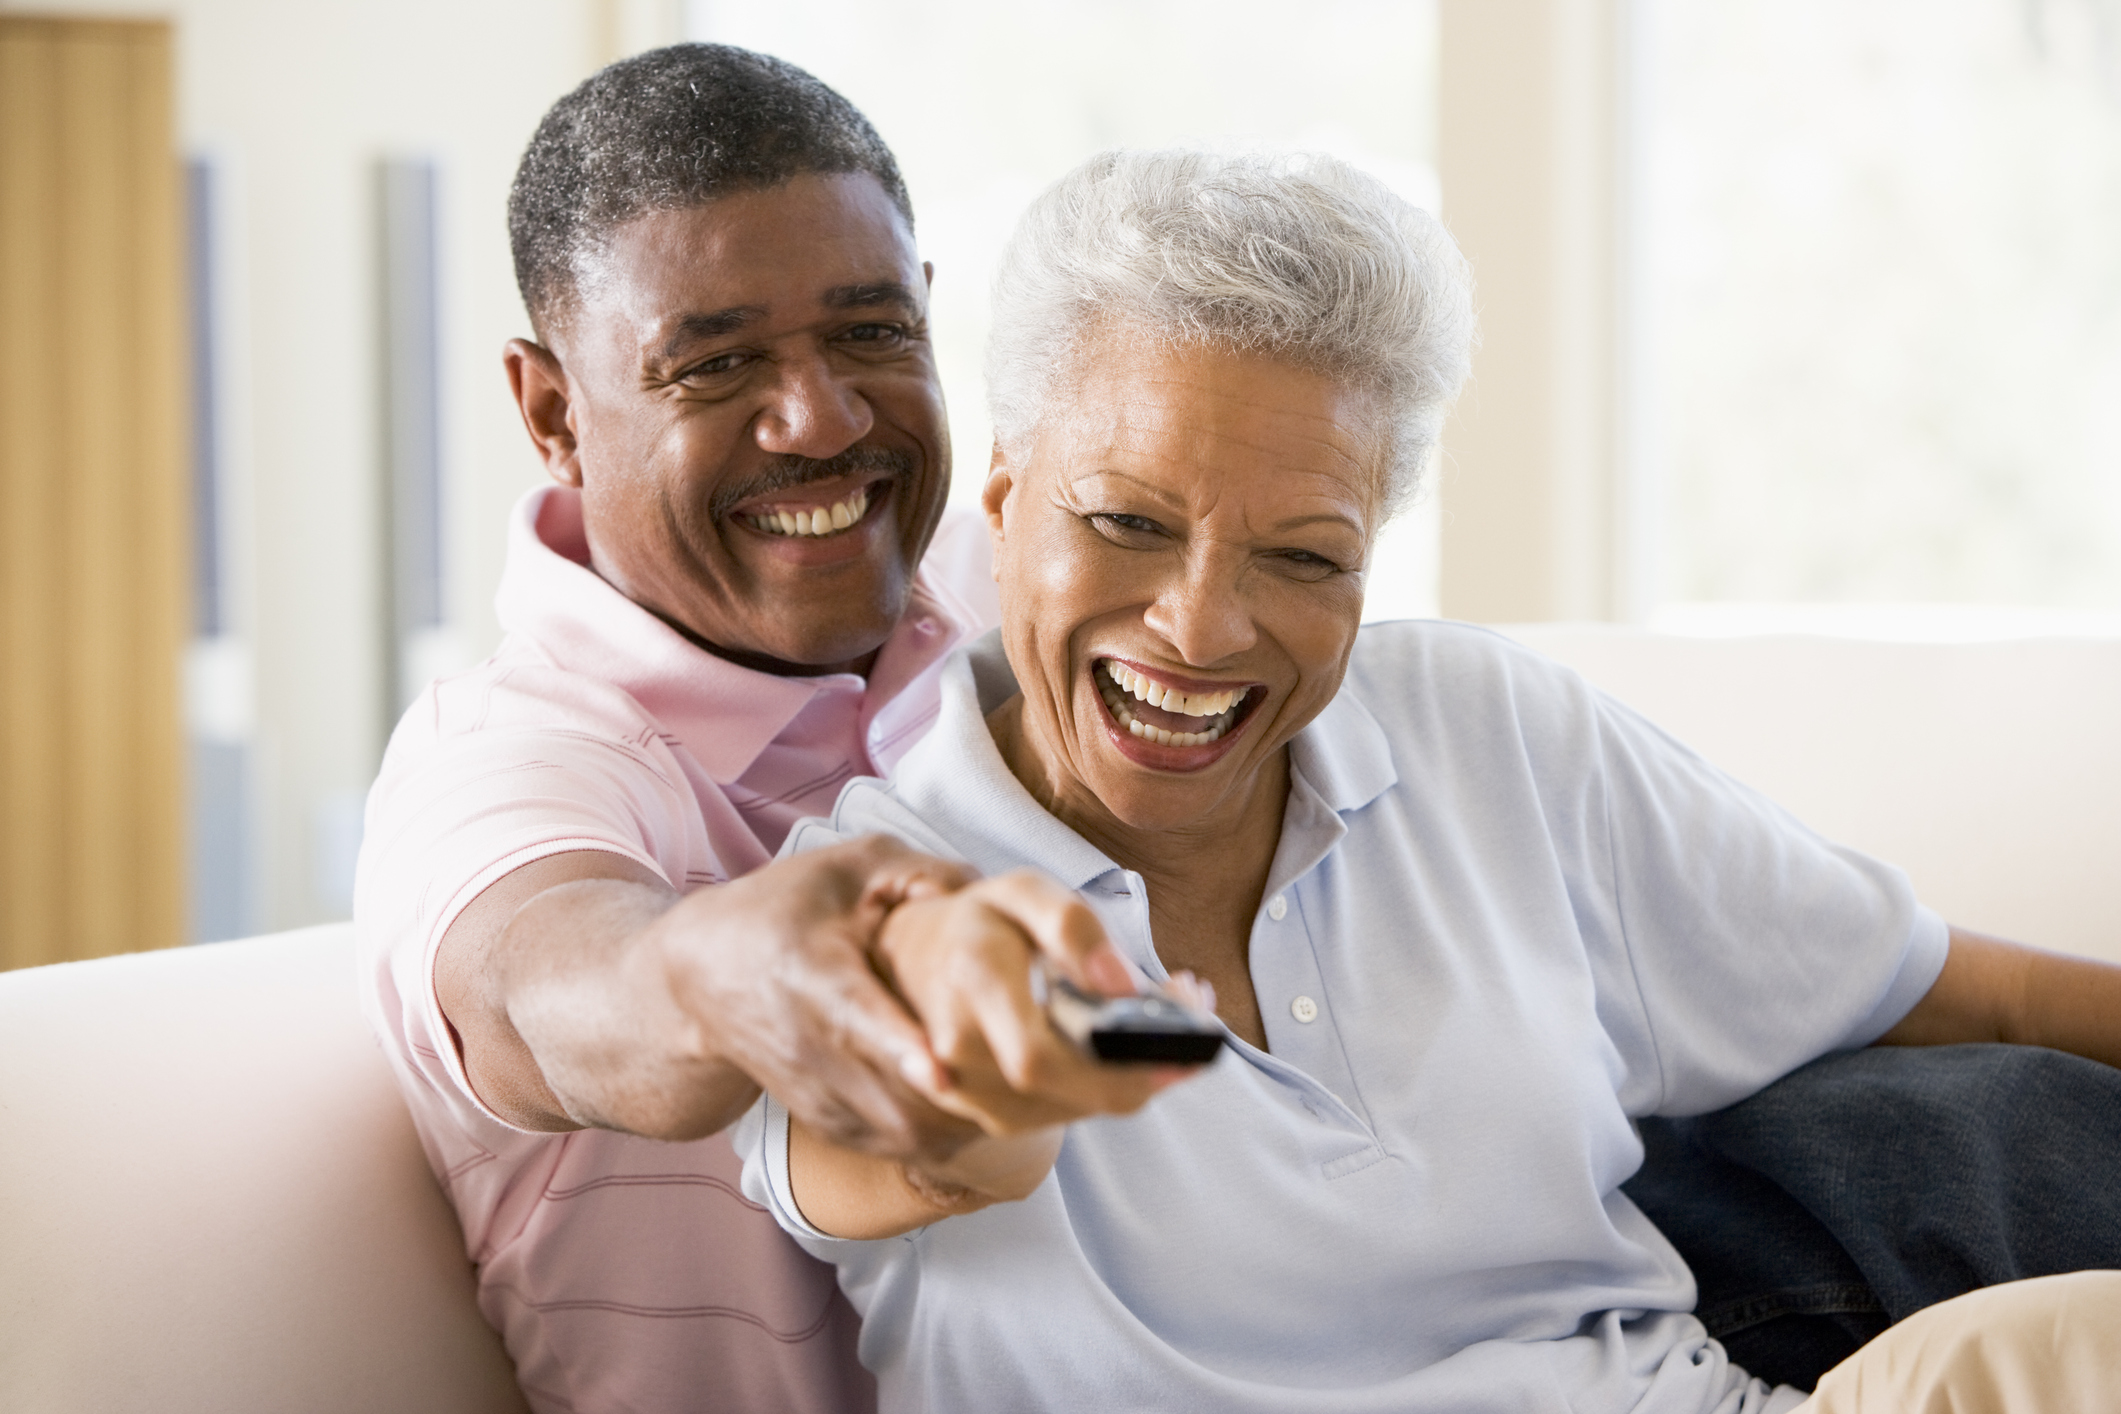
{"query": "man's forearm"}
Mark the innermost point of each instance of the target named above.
(586, 987)
(583, 990)
(551, 986)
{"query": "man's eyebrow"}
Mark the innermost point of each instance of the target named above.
(888, 292)
(691, 328)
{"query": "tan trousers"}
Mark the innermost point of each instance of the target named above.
(2051, 1345)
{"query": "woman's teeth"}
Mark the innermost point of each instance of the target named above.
(1117, 683)
(825, 521)
(1195, 704)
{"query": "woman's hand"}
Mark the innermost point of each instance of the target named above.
(963, 961)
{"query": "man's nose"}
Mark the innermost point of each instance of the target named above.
(1201, 612)
(811, 412)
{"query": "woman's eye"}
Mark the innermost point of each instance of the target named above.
(1308, 563)
(1124, 527)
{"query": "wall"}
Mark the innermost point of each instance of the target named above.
(294, 104)
(91, 493)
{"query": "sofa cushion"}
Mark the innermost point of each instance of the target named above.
(211, 1197)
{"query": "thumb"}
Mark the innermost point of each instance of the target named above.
(1062, 928)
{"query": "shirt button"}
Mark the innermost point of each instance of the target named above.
(1278, 909)
(1304, 1010)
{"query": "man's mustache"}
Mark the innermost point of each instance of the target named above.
(788, 471)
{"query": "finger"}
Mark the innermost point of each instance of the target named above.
(862, 1107)
(994, 984)
(1062, 927)
(893, 872)
(871, 1023)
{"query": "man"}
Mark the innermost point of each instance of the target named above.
(579, 956)
(714, 620)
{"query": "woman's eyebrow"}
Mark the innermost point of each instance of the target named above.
(1155, 492)
(1320, 517)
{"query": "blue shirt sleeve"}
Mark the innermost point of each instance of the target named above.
(1751, 943)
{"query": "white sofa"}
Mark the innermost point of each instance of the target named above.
(211, 1199)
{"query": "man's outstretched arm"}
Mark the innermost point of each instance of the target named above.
(583, 990)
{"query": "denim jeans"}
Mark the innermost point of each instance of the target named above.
(1866, 1186)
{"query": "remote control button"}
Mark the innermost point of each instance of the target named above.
(1304, 1010)
(1278, 908)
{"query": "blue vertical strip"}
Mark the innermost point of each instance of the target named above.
(207, 608)
(220, 784)
(412, 376)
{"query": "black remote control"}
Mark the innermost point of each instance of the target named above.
(1145, 1028)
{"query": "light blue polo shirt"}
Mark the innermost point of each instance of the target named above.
(1506, 916)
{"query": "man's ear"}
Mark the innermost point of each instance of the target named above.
(541, 393)
(994, 496)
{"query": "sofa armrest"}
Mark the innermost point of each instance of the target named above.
(212, 1198)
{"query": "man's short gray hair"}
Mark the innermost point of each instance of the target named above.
(665, 130)
(1297, 257)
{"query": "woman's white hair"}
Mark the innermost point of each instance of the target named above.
(1297, 257)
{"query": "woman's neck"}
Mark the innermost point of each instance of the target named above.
(1204, 877)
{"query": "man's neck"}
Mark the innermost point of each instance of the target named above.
(761, 663)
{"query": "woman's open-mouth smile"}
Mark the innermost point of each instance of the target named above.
(1177, 727)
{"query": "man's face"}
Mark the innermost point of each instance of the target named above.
(758, 430)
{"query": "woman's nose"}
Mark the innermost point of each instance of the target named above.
(810, 412)
(1203, 616)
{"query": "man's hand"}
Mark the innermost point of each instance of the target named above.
(584, 991)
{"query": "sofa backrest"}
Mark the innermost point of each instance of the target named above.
(1991, 772)
(211, 1197)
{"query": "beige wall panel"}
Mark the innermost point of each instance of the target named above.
(1527, 157)
(97, 288)
(94, 515)
(31, 799)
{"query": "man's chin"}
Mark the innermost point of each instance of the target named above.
(794, 648)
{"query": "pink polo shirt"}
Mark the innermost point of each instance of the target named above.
(625, 1273)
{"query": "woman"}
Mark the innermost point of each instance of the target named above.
(1463, 919)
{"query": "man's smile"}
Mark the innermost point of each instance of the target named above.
(809, 517)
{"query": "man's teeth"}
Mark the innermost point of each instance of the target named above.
(824, 521)
(1194, 704)
(1220, 706)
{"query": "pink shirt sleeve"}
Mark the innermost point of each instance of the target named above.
(504, 765)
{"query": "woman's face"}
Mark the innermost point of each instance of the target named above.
(1180, 555)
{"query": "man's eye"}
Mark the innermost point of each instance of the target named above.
(876, 333)
(717, 366)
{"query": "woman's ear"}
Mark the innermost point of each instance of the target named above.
(541, 394)
(994, 499)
